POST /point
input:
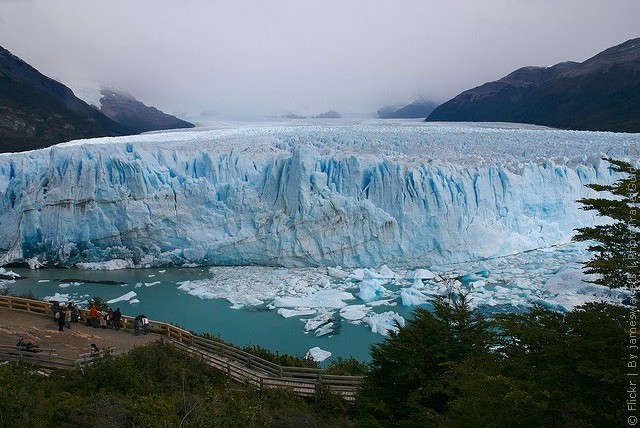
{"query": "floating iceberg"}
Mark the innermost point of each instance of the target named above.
(125, 297)
(319, 299)
(288, 313)
(318, 355)
(385, 322)
(353, 312)
(412, 297)
(371, 290)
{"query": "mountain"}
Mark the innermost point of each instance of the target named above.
(418, 108)
(128, 111)
(599, 94)
(354, 195)
(37, 111)
(331, 114)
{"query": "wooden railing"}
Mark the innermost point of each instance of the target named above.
(244, 367)
(28, 305)
(48, 357)
(238, 365)
(43, 357)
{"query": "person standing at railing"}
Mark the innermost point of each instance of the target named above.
(55, 307)
(110, 322)
(75, 312)
(117, 316)
(136, 325)
(59, 316)
(67, 316)
(145, 322)
(103, 319)
(93, 313)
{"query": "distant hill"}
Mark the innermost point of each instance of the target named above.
(331, 114)
(417, 109)
(128, 111)
(36, 111)
(599, 94)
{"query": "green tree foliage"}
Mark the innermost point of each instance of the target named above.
(616, 249)
(347, 367)
(457, 368)
(451, 367)
(152, 386)
(547, 369)
(406, 370)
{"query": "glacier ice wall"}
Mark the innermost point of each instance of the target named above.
(352, 195)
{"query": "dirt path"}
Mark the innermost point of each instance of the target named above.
(69, 343)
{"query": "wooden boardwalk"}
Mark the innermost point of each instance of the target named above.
(237, 365)
(243, 367)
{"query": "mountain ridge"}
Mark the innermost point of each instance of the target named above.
(37, 111)
(416, 109)
(600, 94)
(125, 109)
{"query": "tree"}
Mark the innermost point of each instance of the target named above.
(616, 247)
(547, 369)
(405, 380)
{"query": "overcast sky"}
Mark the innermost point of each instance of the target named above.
(306, 56)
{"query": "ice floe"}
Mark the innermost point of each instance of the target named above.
(365, 295)
(318, 355)
(115, 264)
(125, 297)
(385, 322)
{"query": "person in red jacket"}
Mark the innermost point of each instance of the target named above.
(93, 313)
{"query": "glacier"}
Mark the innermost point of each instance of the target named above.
(353, 194)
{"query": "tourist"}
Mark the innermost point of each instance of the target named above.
(145, 322)
(60, 318)
(75, 312)
(31, 346)
(137, 321)
(103, 319)
(21, 345)
(67, 317)
(117, 316)
(93, 313)
(55, 306)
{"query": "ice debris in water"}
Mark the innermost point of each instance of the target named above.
(318, 355)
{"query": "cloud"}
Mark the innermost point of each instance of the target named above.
(290, 55)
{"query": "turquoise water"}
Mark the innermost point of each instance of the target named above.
(238, 303)
(164, 302)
